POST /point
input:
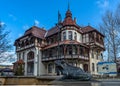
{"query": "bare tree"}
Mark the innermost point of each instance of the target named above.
(110, 27)
(5, 45)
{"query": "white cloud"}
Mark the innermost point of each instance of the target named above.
(36, 22)
(2, 23)
(103, 4)
(12, 17)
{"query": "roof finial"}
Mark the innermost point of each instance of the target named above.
(68, 5)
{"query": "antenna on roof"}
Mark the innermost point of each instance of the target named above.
(59, 17)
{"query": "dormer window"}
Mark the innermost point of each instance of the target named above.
(64, 35)
(70, 35)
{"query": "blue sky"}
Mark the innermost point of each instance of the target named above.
(19, 15)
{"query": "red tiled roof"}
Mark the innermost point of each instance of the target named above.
(36, 31)
(64, 42)
(55, 30)
(68, 21)
(89, 29)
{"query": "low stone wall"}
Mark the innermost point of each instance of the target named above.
(19, 80)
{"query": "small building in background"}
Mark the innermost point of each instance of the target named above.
(107, 68)
(6, 70)
(6, 66)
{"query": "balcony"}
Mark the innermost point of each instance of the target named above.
(25, 47)
(65, 57)
(100, 44)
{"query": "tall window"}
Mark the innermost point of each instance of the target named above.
(64, 35)
(75, 36)
(70, 50)
(30, 63)
(93, 68)
(70, 35)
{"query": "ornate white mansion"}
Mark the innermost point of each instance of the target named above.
(79, 46)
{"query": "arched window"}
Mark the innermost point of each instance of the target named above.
(93, 68)
(64, 35)
(30, 63)
(70, 35)
(75, 36)
(30, 55)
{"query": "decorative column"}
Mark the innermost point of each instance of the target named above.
(42, 69)
(25, 67)
(35, 61)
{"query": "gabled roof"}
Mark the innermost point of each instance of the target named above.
(52, 31)
(89, 29)
(68, 21)
(36, 31)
